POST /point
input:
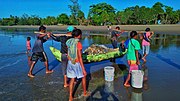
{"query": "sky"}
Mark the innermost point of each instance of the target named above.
(44, 8)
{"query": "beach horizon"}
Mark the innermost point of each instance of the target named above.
(156, 28)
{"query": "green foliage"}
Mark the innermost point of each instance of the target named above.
(102, 14)
(80, 17)
(34, 20)
(75, 8)
(63, 19)
(50, 20)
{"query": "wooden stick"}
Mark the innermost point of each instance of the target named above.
(39, 32)
(62, 35)
(58, 34)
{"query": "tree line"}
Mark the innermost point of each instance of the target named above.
(102, 14)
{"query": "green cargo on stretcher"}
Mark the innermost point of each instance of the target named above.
(91, 58)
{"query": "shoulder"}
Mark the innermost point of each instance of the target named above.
(113, 32)
(37, 35)
(135, 41)
(79, 45)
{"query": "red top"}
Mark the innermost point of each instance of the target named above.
(28, 45)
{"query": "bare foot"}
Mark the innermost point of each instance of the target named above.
(127, 85)
(87, 94)
(30, 75)
(49, 71)
(66, 85)
(144, 59)
(70, 98)
(145, 78)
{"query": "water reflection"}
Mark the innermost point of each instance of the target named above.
(103, 93)
(163, 41)
(136, 95)
(109, 87)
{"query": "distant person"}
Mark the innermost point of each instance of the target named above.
(114, 37)
(132, 55)
(28, 48)
(38, 51)
(64, 50)
(75, 67)
(146, 43)
(109, 28)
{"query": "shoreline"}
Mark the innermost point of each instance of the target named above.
(157, 28)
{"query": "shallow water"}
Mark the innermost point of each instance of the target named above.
(162, 70)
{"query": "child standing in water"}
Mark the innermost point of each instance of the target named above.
(132, 55)
(28, 48)
(38, 51)
(75, 67)
(146, 43)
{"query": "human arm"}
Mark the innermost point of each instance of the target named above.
(79, 55)
(62, 35)
(137, 57)
(44, 37)
(151, 34)
(56, 38)
(137, 47)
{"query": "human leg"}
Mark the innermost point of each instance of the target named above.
(34, 59)
(29, 61)
(126, 84)
(31, 69)
(146, 52)
(47, 68)
(85, 93)
(84, 85)
(71, 85)
(29, 57)
(132, 66)
(64, 68)
(65, 81)
(43, 58)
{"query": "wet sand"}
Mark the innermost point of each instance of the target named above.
(157, 28)
(162, 85)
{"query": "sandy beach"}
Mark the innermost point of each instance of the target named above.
(157, 28)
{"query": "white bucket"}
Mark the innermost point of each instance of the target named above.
(109, 73)
(137, 78)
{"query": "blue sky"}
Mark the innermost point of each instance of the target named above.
(44, 8)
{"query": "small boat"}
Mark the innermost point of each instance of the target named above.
(94, 57)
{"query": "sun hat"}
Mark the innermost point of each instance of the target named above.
(70, 28)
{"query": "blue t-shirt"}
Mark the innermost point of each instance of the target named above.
(38, 45)
(114, 34)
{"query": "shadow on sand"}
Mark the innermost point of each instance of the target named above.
(53, 64)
